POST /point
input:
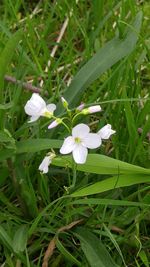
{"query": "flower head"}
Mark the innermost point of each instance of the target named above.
(106, 132)
(36, 107)
(46, 162)
(79, 143)
(92, 109)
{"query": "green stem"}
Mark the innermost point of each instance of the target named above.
(74, 118)
(74, 169)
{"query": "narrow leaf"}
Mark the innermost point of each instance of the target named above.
(6, 57)
(95, 252)
(101, 164)
(104, 201)
(5, 238)
(112, 183)
(67, 254)
(35, 145)
(104, 59)
(20, 239)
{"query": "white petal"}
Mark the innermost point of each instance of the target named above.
(81, 130)
(106, 131)
(44, 164)
(35, 105)
(80, 154)
(92, 140)
(33, 118)
(51, 107)
(68, 145)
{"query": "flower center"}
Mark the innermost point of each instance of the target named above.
(77, 140)
(48, 114)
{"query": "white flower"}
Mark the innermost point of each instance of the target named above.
(92, 109)
(79, 143)
(36, 107)
(106, 132)
(46, 162)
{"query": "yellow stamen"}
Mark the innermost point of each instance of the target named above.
(77, 140)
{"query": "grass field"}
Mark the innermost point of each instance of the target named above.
(95, 214)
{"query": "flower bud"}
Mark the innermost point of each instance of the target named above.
(64, 102)
(55, 123)
(80, 107)
(92, 109)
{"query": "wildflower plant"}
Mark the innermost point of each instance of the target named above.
(36, 214)
(80, 138)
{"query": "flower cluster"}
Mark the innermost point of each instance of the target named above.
(81, 139)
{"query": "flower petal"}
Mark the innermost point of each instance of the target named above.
(33, 118)
(35, 105)
(51, 107)
(68, 145)
(92, 140)
(80, 154)
(44, 164)
(81, 130)
(106, 131)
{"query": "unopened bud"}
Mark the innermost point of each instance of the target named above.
(64, 102)
(55, 123)
(92, 109)
(80, 107)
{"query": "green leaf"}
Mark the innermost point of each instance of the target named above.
(20, 239)
(6, 106)
(142, 255)
(94, 250)
(105, 58)
(6, 57)
(35, 145)
(5, 136)
(104, 201)
(101, 164)
(6, 153)
(67, 254)
(30, 146)
(112, 183)
(4, 237)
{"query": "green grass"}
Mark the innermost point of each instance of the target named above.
(111, 197)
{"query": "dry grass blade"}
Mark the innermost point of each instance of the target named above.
(60, 36)
(26, 86)
(52, 244)
(49, 251)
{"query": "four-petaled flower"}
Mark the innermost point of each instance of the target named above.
(36, 107)
(106, 132)
(79, 143)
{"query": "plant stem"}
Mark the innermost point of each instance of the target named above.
(74, 169)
